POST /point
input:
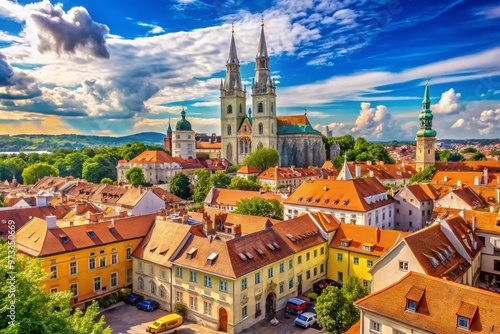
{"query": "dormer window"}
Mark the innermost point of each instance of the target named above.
(299, 199)
(345, 242)
(463, 322)
(191, 253)
(434, 262)
(64, 239)
(211, 258)
(367, 247)
(413, 298)
(411, 305)
(465, 314)
(91, 234)
(112, 230)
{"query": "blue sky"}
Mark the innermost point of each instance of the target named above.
(122, 67)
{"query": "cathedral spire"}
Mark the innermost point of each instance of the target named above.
(169, 130)
(425, 117)
(262, 50)
(426, 103)
(233, 55)
(263, 83)
(233, 78)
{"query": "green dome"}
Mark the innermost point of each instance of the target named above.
(183, 124)
(426, 133)
(425, 115)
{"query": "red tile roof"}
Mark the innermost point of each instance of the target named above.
(284, 173)
(248, 170)
(423, 192)
(229, 197)
(152, 157)
(299, 233)
(293, 120)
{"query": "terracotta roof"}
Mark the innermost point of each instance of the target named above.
(328, 164)
(492, 166)
(152, 157)
(131, 197)
(470, 241)
(326, 221)
(469, 196)
(299, 233)
(229, 197)
(293, 120)
(168, 197)
(381, 240)
(49, 183)
(355, 329)
(249, 224)
(440, 304)
(248, 170)
(107, 193)
(36, 239)
(452, 178)
(156, 248)
(204, 145)
(484, 221)
(284, 173)
(426, 243)
(489, 194)
(214, 163)
(384, 171)
(340, 194)
(423, 192)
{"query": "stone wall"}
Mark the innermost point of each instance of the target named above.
(301, 150)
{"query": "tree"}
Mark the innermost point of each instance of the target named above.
(135, 176)
(478, 156)
(258, 206)
(38, 311)
(424, 176)
(35, 172)
(106, 180)
(331, 311)
(240, 183)
(202, 186)
(179, 186)
(445, 155)
(2, 201)
(74, 164)
(220, 179)
(353, 290)
(263, 158)
(469, 150)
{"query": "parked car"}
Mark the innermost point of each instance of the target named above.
(320, 285)
(165, 323)
(295, 306)
(148, 305)
(306, 319)
(133, 299)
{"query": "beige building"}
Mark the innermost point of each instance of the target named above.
(414, 205)
(463, 198)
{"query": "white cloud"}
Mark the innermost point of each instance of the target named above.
(489, 122)
(206, 104)
(458, 124)
(490, 13)
(374, 122)
(342, 17)
(12, 9)
(448, 104)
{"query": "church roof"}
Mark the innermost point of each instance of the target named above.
(262, 51)
(183, 124)
(296, 129)
(293, 120)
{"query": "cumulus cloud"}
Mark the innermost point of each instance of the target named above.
(489, 122)
(458, 124)
(449, 103)
(15, 83)
(342, 17)
(12, 10)
(66, 33)
(373, 122)
(6, 71)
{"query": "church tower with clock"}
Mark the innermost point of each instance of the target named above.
(426, 136)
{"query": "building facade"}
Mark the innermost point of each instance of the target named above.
(426, 136)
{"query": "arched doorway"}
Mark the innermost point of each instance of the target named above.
(222, 319)
(271, 305)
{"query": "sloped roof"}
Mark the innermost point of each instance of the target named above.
(384, 171)
(249, 224)
(293, 120)
(380, 239)
(284, 173)
(131, 197)
(466, 177)
(471, 242)
(327, 221)
(49, 183)
(248, 170)
(229, 197)
(36, 239)
(151, 157)
(299, 233)
(168, 197)
(423, 192)
(438, 308)
(492, 166)
(483, 221)
(204, 145)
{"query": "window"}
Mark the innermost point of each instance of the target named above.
(129, 275)
(192, 276)
(102, 261)
(411, 224)
(356, 260)
(308, 256)
(92, 263)
(369, 263)
(129, 253)
(113, 280)
(229, 130)
(244, 312)
(339, 257)
(315, 271)
(192, 302)
(97, 283)
(54, 290)
(496, 265)
(163, 273)
(114, 258)
(261, 129)
(207, 308)
(151, 269)
(260, 107)
(411, 305)
(423, 212)
(241, 108)
(403, 265)
(270, 272)
(308, 274)
(229, 109)
(141, 283)
(244, 283)
(163, 292)
(208, 281)
(179, 272)
(74, 289)
(483, 240)
(322, 250)
(374, 326)
(322, 268)
(290, 283)
(178, 296)
(397, 210)
(282, 287)
(463, 322)
(257, 278)
(367, 283)
(73, 268)
(152, 287)
(409, 212)
(299, 259)
(282, 267)
(290, 264)
(340, 276)
(223, 286)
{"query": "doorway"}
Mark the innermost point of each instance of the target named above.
(222, 319)
(271, 305)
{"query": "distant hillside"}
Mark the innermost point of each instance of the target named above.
(50, 142)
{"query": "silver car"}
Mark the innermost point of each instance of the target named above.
(306, 319)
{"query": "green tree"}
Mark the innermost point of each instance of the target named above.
(233, 168)
(424, 176)
(469, 150)
(478, 156)
(12, 167)
(220, 179)
(353, 290)
(74, 163)
(106, 180)
(346, 142)
(202, 186)
(445, 155)
(331, 311)
(38, 311)
(263, 158)
(91, 171)
(2, 201)
(258, 206)
(35, 172)
(240, 183)
(179, 186)
(135, 176)
(130, 151)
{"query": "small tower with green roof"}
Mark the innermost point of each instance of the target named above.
(167, 141)
(183, 139)
(426, 136)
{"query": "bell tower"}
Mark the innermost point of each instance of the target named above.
(426, 136)
(264, 124)
(232, 105)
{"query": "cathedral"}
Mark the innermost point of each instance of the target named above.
(243, 132)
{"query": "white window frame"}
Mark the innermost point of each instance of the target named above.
(75, 268)
(111, 279)
(73, 293)
(97, 279)
(403, 265)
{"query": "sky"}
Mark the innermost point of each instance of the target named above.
(359, 67)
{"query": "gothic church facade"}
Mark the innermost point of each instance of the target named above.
(241, 132)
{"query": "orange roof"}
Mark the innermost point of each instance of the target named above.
(248, 170)
(36, 239)
(328, 164)
(205, 145)
(384, 171)
(489, 194)
(49, 183)
(491, 165)
(355, 329)
(131, 197)
(452, 178)
(359, 235)
(151, 157)
(423, 192)
(229, 197)
(168, 197)
(299, 233)
(484, 221)
(327, 221)
(340, 194)
(293, 120)
(439, 306)
(284, 173)
(249, 224)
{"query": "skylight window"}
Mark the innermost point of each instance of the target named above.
(275, 244)
(335, 202)
(345, 203)
(451, 249)
(250, 256)
(259, 251)
(191, 253)
(91, 234)
(211, 258)
(112, 230)
(64, 239)
(299, 199)
(434, 262)
(242, 256)
(152, 250)
(270, 246)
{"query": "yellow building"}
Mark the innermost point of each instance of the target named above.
(355, 248)
(91, 259)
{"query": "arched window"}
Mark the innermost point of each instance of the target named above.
(245, 128)
(229, 130)
(141, 284)
(163, 292)
(229, 153)
(241, 108)
(260, 107)
(261, 129)
(272, 108)
(229, 109)
(272, 128)
(153, 287)
(241, 146)
(246, 146)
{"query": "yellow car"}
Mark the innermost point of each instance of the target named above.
(165, 323)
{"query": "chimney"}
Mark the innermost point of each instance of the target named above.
(369, 162)
(358, 171)
(462, 213)
(445, 178)
(51, 222)
(79, 208)
(476, 180)
(112, 221)
(372, 174)
(474, 223)
(140, 190)
(378, 235)
(208, 225)
(237, 231)
(485, 175)
(459, 184)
